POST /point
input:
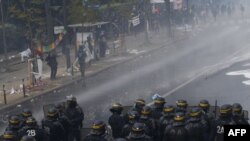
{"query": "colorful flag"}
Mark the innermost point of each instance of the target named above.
(54, 44)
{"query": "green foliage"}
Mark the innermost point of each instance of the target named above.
(79, 13)
(29, 17)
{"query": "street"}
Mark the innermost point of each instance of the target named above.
(160, 72)
(227, 87)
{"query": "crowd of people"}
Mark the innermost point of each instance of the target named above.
(159, 122)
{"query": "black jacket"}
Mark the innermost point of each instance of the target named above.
(144, 137)
(196, 129)
(38, 133)
(54, 129)
(217, 133)
(93, 137)
(116, 122)
(75, 116)
(176, 132)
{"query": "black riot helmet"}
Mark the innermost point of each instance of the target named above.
(195, 112)
(181, 106)
(140, 103)
(159, 102)
(98, 127)
(52, 113)
(146, 112)
(133, 116)
(31, 122)
(204, 104)
(226, 110)
(179, 117)
(237, 109)
(71, 101)
(181, 103)
(28, 138)
(60, 107)
(168, 110)
(26, 113)
(138, 129)
(9, 136)
(116, 108)
(14, 121)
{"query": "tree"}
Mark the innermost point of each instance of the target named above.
(29, 18)
(80, 11)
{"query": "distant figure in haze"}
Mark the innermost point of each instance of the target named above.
(242, 10)
(52, 62)
(81, 54)
(214, 12)
(90, 45)
(102, 45)
(229, 11)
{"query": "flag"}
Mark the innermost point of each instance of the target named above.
(54, 44)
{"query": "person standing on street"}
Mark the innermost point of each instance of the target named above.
(225, 118)
(52, 62)
(81, 54)
(76, 116)
(116, 121)
(102, 45)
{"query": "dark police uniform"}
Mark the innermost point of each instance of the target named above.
(75, 116)
(224, 119)
(176, 131)
(32, 129)
(116, 121)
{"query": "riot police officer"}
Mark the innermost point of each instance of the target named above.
(207, 115)
(139, 104)
(133, 117)
(166, 119)
(138, 133)
(53, 127)
(225, 118)
(14, 124)
(157, 108)
(98, 132)
(26, 113)
(9, 136)
(62, 118)
(238, 115)
(150, 123)
(32, 129)
(197, 130)
(75, 116)
(28, 138)
(116, 121)
(181, 106)
(176, 131)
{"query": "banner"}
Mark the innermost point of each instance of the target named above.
(52, 45)
(135, 21)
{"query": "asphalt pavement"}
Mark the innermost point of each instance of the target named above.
(160, 71)
(227, 86)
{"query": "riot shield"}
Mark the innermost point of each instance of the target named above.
(46, 108)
